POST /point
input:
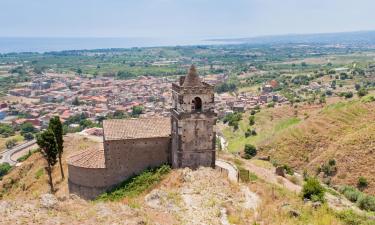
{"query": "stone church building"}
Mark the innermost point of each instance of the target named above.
(130, 146)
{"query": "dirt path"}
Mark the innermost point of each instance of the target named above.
(232, 171)
(337, 203)
(251, 199)
(271, 177)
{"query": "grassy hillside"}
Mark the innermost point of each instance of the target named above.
(183, 196)
(269, 122)
(344, 131)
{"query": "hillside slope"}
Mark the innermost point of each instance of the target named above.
(343, 131)
(203, 196)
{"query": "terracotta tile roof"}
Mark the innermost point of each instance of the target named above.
(88, 159)
(136, 128)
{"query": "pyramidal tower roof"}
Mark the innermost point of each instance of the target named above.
(192, 79)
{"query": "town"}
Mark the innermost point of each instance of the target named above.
(99, 98)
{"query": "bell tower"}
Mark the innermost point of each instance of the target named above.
(193, 119)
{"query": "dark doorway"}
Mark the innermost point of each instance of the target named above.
(197, 104)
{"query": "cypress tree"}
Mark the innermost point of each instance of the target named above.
(56, 127)
(48, 148)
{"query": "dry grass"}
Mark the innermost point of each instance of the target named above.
(344, 131)
(19, 138)
(22, 181)
(277, 202)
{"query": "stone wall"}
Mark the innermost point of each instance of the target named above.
(126, 158)
(87, 182)
(193, 141)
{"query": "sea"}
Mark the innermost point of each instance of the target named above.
(49, 44)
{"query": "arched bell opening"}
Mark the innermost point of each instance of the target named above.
(197, 104)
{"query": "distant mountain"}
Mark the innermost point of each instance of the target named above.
(359, 37)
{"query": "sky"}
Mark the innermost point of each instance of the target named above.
(182, 18)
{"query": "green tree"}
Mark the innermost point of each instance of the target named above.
(55, 126)
(48, 148)
(28, 136)
(125, 75)
(6, 130)
(27, 128)
(250, 151)
(79, 71)
(137, 110)
(118, 114)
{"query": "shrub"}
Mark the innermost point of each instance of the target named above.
(250, 151)
(362, 92)
(10, 143)
(27, 128)
(23, 158)
(351, 193)
(348, 94)
(232, 119)
(28, 136)
(235, 125)
(6, 130)
(366, 202)
(329, 168)
(136, 185)
(137, 110)
(251, 120)
(313, 190)
(289, 170)
(4, 169)
(253, 132)
(248, 133)
(368, 99)
(351, 218)
(332, 162)
(362, 183)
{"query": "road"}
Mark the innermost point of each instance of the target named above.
(7, 154)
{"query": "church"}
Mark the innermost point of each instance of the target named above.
(186, 139)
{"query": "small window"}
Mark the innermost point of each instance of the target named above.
(197, 104)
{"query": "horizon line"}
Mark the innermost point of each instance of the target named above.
(203, 36)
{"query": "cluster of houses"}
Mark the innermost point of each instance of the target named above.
(228, 103)
(66, 96)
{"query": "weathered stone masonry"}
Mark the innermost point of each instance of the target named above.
(187, 139)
